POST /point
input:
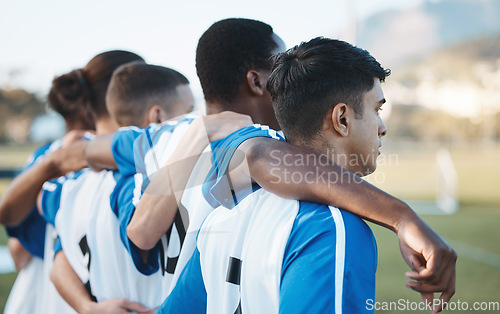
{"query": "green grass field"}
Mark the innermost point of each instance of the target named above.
(474, 231)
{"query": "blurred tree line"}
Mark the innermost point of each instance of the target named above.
(413, 122)
(420, 111)
(451, 95)
(18, 108)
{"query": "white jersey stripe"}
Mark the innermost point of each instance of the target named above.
(137, 189)
(340, 260)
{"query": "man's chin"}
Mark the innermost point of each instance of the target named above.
(365, 172)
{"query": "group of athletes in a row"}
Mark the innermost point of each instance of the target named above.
(161, 209)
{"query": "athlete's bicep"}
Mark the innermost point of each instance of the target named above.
(98, 153)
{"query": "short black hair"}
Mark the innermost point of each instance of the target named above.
(136, 87)
(309, 79)
(227, 51)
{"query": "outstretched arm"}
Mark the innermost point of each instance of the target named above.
(73, 291)
(21, 194)
(272, 163)
(156, 211)
(98, 153)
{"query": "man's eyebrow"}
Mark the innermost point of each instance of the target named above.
(382, 101)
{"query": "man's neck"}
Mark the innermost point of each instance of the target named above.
(333, 151)
(213, 108)
(105, 126)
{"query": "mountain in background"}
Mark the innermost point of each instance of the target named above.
(454, 92)
(396, 37)
(476, 61)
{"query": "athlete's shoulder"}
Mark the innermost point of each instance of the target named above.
(155, 145)
(243, 134)
(52, 191)
(122, 146)
(39, 152)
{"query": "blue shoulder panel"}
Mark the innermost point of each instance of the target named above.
(31, 231)
(122, 147)
(308, 279)
(217, 188)
(189, 294)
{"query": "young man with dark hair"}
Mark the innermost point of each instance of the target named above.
(146, 103)
(233, 63)
(156, 212)
(268, 254)
(140, 94)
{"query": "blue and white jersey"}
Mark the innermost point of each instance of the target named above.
(31, 231)
(152, 149)
(50, 301)
(33, 292)
(272, 255)
(113, 273)
(117, 269)
(68, 203)
(207, 186)
(138, 163)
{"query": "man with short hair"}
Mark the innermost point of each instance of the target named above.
(139, 97)
(140, 94)
(267, 254)
(75, 205)
(241, 50)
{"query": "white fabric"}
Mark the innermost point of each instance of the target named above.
(256, 232)
(113, 274)
(340, 260)
(193, 204)
(79, 199)
(162, 150)
(50, 300)
(23, 297)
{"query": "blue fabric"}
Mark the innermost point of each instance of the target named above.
(39, 152)
(130, 146)
(122, 147)
(189, 294)
(217, 188)
(121, 203)
(57, 246)
(51, 196)
(51, 200)
(149, 139)
(308, 270)
(124, 154)
(31, 231)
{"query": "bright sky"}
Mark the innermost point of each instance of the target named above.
(43, 39)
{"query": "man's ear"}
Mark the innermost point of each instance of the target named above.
(340, 119)
(154, 114)
(256, 82)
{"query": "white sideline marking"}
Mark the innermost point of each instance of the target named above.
(476, 254)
